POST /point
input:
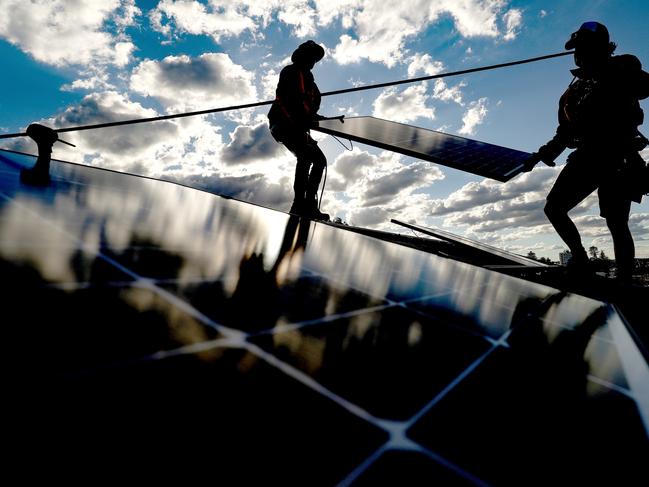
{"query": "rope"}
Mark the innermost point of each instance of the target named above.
(268, 102)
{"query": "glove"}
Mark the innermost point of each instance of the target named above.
(531, 161)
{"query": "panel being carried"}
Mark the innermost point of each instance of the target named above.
(481, 158)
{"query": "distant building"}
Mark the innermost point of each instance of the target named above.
(564, 257)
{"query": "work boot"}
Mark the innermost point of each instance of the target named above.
(580, 265)
(313, 210)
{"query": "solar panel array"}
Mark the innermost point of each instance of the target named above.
(488, 160)
(160, 329)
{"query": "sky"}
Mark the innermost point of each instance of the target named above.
(76, 62)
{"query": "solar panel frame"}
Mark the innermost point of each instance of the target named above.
(457, 239)
(473, 156)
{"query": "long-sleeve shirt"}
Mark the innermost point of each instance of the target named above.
(297, 100)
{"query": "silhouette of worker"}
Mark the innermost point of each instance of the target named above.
(599, 115)
(292, 114)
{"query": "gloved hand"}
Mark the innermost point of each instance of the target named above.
(535, 158)
(531, 162)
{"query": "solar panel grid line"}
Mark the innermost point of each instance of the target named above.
(125, 363)
(385, 448)
(286, 368)
(472, 332)
(451, 386)
(465, 373)
(610, 385)
(295, 373)
(451, 466)
(362, 467)
(283, 328)
(310, 382)
(351, 286)
(240, 342)
(145, 282)
(269, 358)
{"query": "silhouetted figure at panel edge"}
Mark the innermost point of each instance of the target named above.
(39, 175)
(292, 114)
(256, 302)
(599, 115)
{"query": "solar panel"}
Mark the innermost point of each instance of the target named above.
(481, 158)
(158, 329)
(457, 239)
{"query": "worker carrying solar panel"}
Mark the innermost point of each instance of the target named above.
(599, 115)
(291, 116)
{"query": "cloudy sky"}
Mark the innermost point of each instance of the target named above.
(73, 62)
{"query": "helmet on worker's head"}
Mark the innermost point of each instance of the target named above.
(590, 34)
(308, 52)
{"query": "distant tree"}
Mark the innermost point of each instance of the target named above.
(593, 251)
(340, 221)
(545, 260)
(531, 255)
(603, 256)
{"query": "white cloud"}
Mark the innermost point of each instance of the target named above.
(534, 185)
(379, 185)
(269, 82)
(69, 32)
(232, 18)
(513, 19)
(500, 213)
(250, 143)
(388, 188)
(474, 116)
(96, 81)
(184, 83)
(423, 63)
(403, 106)
(381, 28)
(300, 15)
(443, 92)
(192, 17)
(645, 154)
(351, 166)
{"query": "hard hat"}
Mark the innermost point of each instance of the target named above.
(308, 51)
(592, 33)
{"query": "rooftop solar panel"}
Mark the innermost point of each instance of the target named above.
(510, 256)
(153, 328)
(481, 158)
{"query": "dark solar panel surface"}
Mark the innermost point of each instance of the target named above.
(481, 158)
(489, 249)
(160, 329)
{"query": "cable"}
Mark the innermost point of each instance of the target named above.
(329, 93)
(324, 182)
(351, 146)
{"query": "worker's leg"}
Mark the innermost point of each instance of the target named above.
(571, 187)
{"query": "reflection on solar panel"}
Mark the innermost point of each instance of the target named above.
(488, 160)
(457, 239)
(151, 327)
